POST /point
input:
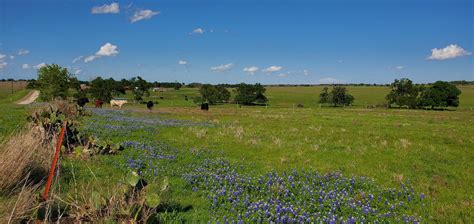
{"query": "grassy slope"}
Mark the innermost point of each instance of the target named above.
(432, 149)
(12, 116)
(380, 144)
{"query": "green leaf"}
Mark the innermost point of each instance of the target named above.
(165, 184)
(132, 179)
(152, 199)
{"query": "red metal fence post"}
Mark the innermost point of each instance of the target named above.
(55, 161)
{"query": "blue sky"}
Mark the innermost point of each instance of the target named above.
(305, 42)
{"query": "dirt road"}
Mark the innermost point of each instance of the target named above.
(29, 98)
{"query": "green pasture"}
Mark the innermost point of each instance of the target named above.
(12, 117)
(433, 150)
(281, 97)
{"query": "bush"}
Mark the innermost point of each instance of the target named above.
(440, 94)
(337, 96)
(248, 94)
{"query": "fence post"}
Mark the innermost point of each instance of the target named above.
(55, 161)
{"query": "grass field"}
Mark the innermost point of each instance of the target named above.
(431, 150)
(308, 96)
(12, 117)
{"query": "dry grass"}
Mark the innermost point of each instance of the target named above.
(21, 207)
(27, 153)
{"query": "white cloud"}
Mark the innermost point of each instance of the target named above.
(400, 67)
(105, 50)
(77, 71)
(12, 57)
(272, 69)
(23, 52)
(143, 14)
(450, 51)
(182, 62)
(77, 59)
(112, 8)
(222, 68)
(198, 31)
(251, 70)
(305, 72)
(40, 65)
(90, 58)
(283, 75)
(330, 80)
(25, 66)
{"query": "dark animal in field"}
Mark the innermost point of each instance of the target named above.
(205, 106)
(186, 98)
(82, 101)
(300, 105)
(161, 97)
(98, 103)
(149, 105)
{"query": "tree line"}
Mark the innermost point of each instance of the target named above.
(403, 93)
(246, 94)
(54, 81)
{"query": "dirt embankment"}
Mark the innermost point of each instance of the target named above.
(29, 98)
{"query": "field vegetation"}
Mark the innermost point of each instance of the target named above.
(269, 162)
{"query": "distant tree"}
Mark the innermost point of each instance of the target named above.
(178, 86)
(223, 94)
(194, 85)
(105, 89)
(324, 95)
(124, 84)
(248, 94)
(403, 93)
(53, 82)
(198, 100)
(339, 96)
(140, 87)
(440, 94)
(209, 93)
(214, 94)
(32, 84)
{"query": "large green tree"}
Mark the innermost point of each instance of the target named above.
(248, 94)
(440, 94)
(105, 89)
(53, 82)
(403, 93)
(214, 94)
